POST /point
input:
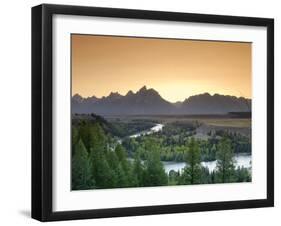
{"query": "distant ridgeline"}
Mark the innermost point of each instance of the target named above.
(240, 114)
(149, 102)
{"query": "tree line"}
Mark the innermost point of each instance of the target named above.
(174, 137)
(99, 162)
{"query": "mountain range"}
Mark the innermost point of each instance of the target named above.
(149, 102)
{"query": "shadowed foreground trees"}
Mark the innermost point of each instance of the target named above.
(81, 168)
(98, 161)
(154, 174)
(99, 166)
(225, 162)
(192, 172)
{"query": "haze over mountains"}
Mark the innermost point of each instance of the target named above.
(149, 102)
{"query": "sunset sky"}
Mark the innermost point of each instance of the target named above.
(177, 69)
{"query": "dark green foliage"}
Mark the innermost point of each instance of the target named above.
(193, 159)
(120, 152)
(75, 138)
(192, 172)
(99, 160)
(122, 129)
(102, 172)
(225, 163)
(206, 176)
(81, 168)
(174, 177)
(154, 174)
(122, 179)
(240, 143)
(112, 159)
(208, 150)
(138, 171)
(243, 175)
(172, 141)
(126, 166)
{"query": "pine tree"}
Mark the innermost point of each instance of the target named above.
(194, 160)
(113, 163)
(81, 168)
(122, 180)
(126, 166)
(225, 163)
(120, 152)
(102, 173)
(192, 172)
(85, 135)
(154, 174)
(96, 141)
(242, 175)
(138, 170)
(93, 136)
(75, 138)
(112, 160)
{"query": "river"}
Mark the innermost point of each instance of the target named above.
(154, 129)
(239, 159)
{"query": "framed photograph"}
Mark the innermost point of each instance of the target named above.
(145, 112)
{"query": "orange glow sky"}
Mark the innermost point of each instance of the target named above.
(177, 69)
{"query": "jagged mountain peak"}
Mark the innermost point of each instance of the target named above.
(114, 95)
(142, 89)
(149, 101)
(92, 99)
(77, 97)
(205, 94)
(130, 93)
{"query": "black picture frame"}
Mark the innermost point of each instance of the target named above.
(42, 111)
